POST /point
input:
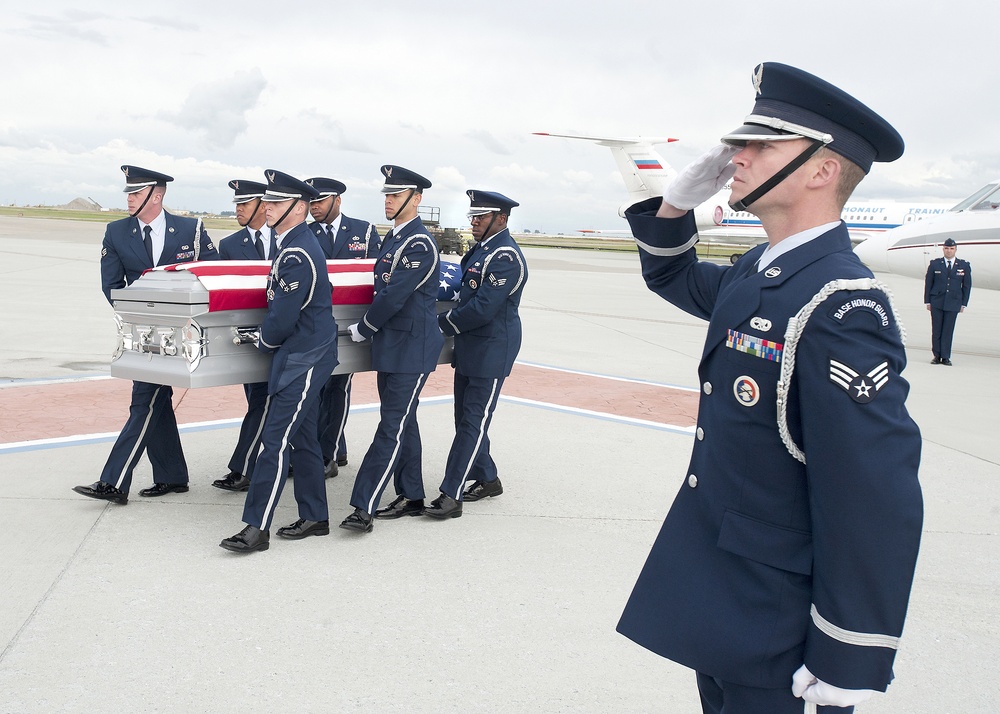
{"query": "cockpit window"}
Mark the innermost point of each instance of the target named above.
(985, 199)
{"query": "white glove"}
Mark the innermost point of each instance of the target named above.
(702, 178)
(355, 335)
(810, 689)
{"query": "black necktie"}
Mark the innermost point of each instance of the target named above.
(260, 245)
(147, 240)
(273, 247)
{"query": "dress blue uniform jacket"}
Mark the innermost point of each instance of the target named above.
(763, 562)
(123, 253)
(948, 291)
(239, 246)
(355, 239)
(486, 324)
(299, 327)
(402, 320)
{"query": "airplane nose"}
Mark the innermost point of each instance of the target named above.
(874, 252)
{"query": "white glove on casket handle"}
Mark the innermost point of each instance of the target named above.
(355, 335)
(810, 689)
(702, 178)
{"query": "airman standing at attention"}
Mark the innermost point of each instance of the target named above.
(299, 330)
(782, 572)
(947, 287)
(342, 238)
(406, 344)
(254, 241)
(487, 331)
(148, 237)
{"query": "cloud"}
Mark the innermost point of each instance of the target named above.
(72, 24)
(490, 141)
(219, 109)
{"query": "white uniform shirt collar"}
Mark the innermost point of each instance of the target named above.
(335, 225)
(398, 228)
(772, 252)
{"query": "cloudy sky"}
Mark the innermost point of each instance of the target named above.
(454, 90)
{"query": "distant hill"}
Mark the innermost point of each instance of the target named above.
(81, 204)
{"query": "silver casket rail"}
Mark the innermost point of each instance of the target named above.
(195, 324)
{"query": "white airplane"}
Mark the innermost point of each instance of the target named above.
(974, 224)
(646, 175)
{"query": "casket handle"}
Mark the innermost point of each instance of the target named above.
(246, 335)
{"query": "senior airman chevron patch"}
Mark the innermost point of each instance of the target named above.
(861, 387)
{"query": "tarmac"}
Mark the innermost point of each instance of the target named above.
(510, 608)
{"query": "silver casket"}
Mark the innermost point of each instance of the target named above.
(191, 324)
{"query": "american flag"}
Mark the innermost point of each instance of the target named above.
(451, 281)
(242, 284)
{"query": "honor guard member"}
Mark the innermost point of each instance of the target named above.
(300, 332)
(254, 241)
(406, 344)
(947, 287)
(148, 237)
(783, 570)
(487, 332)
(342, 238)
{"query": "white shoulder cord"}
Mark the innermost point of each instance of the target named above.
(197, 240)
(793, 333)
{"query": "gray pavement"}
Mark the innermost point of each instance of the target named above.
(512, 607)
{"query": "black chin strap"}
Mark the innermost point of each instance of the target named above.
(784, 173)
(256, 208)
(326, 216)
(393, 216)
(145, 201)
(489, 226)
(285, 214)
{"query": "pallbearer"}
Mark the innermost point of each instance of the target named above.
(406, 344)
(341, 238)
(300, 331)
(148, 237)
(254, 241)
(487, 331)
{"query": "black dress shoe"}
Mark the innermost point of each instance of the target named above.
(303, 528)
(946, 362)
(358, 521)
(444, 507)
(247, 541)
(232, 482)
(330, 468)
(103, 491)
(483, 489)
(162, 489)
(402, 506)
(342, 461)
(936, 360)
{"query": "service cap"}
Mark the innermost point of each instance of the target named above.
(244, 191)
(949, 243)
(285, 187)
(138, 178)
(483, 202)
(398, 179)
(792, 104)
(327, 187)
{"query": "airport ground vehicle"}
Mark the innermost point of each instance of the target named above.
(449, 240)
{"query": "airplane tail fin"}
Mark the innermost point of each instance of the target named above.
(644, 171)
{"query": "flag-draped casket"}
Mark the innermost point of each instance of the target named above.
(193, 324)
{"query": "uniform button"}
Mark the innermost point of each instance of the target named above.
(700, 434)
(707, 387)
(692, 481)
